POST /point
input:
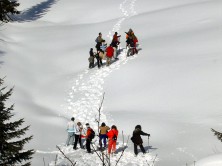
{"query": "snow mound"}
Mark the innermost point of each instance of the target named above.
(215, 160)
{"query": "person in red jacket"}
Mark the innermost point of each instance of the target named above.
(112, 135)
(135, 40)
(109, 54)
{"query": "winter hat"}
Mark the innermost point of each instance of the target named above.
(116, 33)
(72, 119)
(87, 124)
(114, 127)
(138, 127)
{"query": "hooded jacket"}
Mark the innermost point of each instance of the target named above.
(71, 127)
(111, 133)
(136, 136)
(104, 129)
(109, 51)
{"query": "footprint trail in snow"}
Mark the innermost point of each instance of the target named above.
(85, 97)
(87, 90)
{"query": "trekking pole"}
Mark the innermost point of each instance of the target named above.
(148, 143)
(119, 46)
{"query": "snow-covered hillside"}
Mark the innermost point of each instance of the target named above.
(172, 87)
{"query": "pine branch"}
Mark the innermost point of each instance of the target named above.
(218, 134)
(12, 126)
(8, 7)
(22, 142)
(19, 157)
(5, 96)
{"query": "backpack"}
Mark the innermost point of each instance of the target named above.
(92, 134)
(114, 137)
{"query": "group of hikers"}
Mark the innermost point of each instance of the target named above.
(104, 52)
(76, 132)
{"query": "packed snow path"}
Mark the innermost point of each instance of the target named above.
(87, 89)
(85, 97)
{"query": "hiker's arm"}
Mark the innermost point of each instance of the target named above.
(142, 133)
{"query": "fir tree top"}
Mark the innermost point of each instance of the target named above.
(218, 134)
(11, 144)
(7, 8)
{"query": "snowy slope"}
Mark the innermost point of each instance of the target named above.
(172, 87)
(215, 160)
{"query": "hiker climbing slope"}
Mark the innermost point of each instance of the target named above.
(109, 54)
(137, 140)
(98, 41)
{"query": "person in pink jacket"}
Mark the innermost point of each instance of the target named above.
(112, 136)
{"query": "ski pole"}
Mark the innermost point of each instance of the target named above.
(148, 144)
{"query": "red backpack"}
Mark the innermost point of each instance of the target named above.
(109, 52)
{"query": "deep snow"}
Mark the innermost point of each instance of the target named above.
(172, 87)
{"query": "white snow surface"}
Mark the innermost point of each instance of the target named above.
(172, 87)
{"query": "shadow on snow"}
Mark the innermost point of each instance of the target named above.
(35, 12)
(1, 55)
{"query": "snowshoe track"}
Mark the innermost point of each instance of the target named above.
(84, 99)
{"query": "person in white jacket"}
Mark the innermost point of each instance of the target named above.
(78, 134)
(71, 132)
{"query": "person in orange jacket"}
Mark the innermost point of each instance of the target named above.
(109, 54)
(115, 40)
(89, 136)
(112, 135)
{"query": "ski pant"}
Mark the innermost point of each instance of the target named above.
(99, 62)
(135, 50)
(77, 139)
(108, 61)
(115, 52)
(141, 147)
(70, 138)
(102, 137)
(88, 147)
(111, 146)
(91, 64)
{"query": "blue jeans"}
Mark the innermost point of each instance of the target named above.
(70, 138)
(102, 137)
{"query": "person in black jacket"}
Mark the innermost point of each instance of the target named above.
(137, 140)
(91, 58)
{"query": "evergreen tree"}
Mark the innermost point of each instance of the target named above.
(218, 134)
(7, 8)
(11, 149)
